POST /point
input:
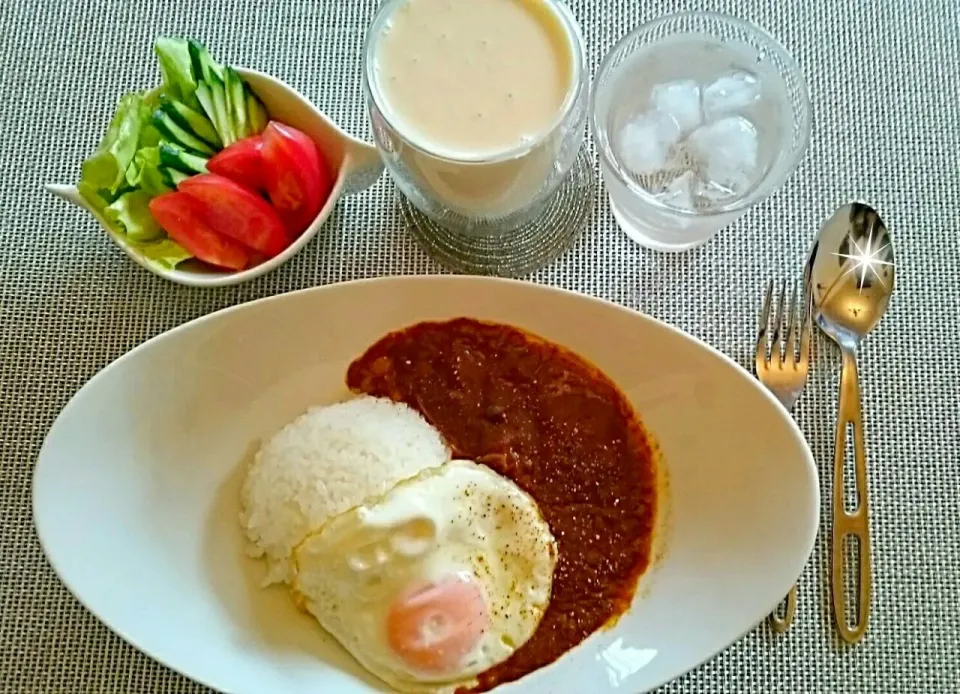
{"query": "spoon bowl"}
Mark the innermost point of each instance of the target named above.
(851, 274)
(356, 163)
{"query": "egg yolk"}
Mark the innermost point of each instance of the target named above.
(433, 626)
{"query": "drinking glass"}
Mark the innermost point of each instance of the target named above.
(697, 117)
(482, 197)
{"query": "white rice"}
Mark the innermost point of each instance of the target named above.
(328, 461)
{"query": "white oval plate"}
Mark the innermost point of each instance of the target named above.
(136, 488)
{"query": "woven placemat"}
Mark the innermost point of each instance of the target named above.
(883, 78)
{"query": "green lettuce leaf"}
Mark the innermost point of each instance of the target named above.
(145, 174)
(166, 253)
(152, 99)
(130, 216)
(132, 225)
(149, 134)
(97, 197)
(105, 169)
(173, 54)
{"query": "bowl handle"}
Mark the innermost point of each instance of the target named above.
(363, 166)
(72, 195)
(68, 193)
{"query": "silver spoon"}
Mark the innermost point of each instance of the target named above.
(851, 273)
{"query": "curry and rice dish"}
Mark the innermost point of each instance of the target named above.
(486, 502)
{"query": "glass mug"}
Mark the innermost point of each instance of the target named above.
(482, 195)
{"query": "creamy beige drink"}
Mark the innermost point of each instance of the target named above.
(474, 88)
(469, 78)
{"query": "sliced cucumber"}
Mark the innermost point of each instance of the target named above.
(174, 157)
(256, 113)
(222, 106)
(174, 177)
(204, 68)
(172, 131)
(214, 103)
(222, 94)
(205, 97)
(236, 103)
(167, 178)
(213, 100)
(190, 120)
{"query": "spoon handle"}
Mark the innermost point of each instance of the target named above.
(853, 523)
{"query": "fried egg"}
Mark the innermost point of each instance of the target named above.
(441, 578)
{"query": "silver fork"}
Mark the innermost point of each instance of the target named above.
(784, 373)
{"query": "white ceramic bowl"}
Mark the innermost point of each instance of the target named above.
(136, 490)
(357, 165)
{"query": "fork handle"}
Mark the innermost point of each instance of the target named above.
(844, 522)
(780, 624)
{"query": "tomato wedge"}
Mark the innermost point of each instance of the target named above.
(234, 211)
(241, 162)
(182, 218)
(298, 177)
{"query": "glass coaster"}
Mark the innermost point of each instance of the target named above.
(522, 250)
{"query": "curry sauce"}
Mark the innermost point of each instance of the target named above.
(542, 416)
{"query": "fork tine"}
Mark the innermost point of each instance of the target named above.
(807, 318)
(778, 323)
(761, 358)
(793, 326)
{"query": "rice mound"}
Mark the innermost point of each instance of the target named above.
(326, 462)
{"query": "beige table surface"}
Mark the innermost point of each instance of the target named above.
(884, 78)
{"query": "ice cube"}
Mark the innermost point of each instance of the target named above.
(646, 142)
(680, 100)
(712, 194)
(730, 94)
(726, 151)
(678, 193)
